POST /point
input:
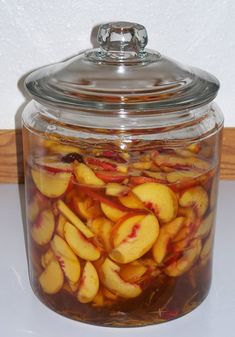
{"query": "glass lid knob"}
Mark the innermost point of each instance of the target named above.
(122, 37)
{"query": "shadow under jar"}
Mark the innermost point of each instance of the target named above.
(122, 149)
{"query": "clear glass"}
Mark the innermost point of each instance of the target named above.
(121, 212)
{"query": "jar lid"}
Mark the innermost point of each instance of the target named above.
(123, 77)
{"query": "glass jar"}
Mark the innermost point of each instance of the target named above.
(122, 148)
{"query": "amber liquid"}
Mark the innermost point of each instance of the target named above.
(172, 278)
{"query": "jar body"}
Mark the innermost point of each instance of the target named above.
(120, 226)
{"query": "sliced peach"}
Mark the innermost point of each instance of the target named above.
(91, 192)
(60, 225)
(151, 265)
(85, 175)
(142, 165)
(52, 185)
(116, 190)
(52, 278)
(195, 197)
(89, 284)
(166, 234)
(53, 164)
(181, 176)
(133, 272)
(36, 204)
(190, 225)
(194, 148)
(87, 208)
(158, 198)
(80, 244)
(181, 245)
(178, 162)
(68, 261)
(133, 237)
(100, 163)
(74, 219)
(102, 227)
(122, 168)
(109, 155)
(131, 201)
(43, 228)
(205, 226)
(98, 300)
(138, 180)
(63, 149)
(47, 257)
(159, 176)
(184, 263)
(105, 234)
(109, 177)
(111, 279)
(112, 213)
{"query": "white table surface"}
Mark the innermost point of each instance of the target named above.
(23, 315)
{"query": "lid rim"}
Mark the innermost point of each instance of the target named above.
(147, 81)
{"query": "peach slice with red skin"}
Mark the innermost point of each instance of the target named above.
(133, 236)
(104, 165)
(36, 204)
(180, 180)
(111, 279)
(110, 208)
(116, 190)
(52, 185)
(84, 248)
(85, 175)
(109, 177)
(195, 197)
(52, 278)
(112, 213)
(74, 219)
(68, 261)
(131, 201)
(89, 284)
(178, 162)
(190, 225)
(43, 228)
(159, 176)
(102, 198)
(53, 164)
(139, 180)
(184, 263)
(166, 234)
(158, 198)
